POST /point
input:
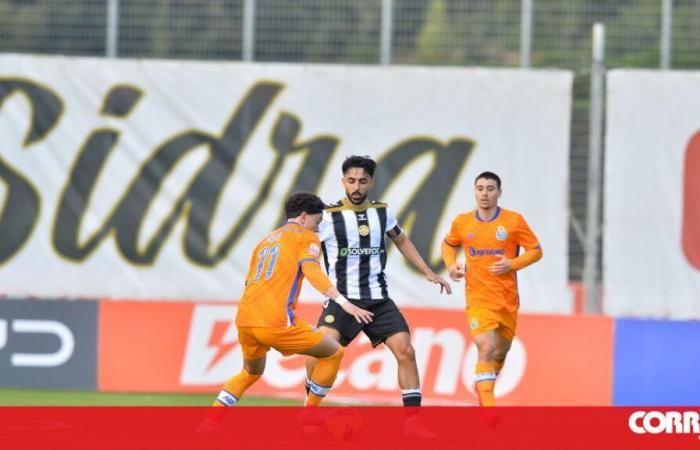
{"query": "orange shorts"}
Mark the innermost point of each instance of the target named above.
(482, 320)
(257, 341)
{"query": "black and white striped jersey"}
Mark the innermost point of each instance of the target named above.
(354, 247)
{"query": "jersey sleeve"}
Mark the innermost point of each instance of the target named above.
(309, 249)
(309, 253)
(392, 224)
(453, 238)
(524, 235)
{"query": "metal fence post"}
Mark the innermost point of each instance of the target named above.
(248, 30)
(525, 33)
(595, 153)
(666, 34)
(387, 28)
(112, 31)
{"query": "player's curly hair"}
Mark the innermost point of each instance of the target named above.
(362, 162)
(303, 202)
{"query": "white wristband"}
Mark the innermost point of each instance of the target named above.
(341, 300)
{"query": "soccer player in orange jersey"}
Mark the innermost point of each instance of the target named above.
(491, 237)
(267, 316)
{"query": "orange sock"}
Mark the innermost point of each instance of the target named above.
(322, 377)
(234, 388)
(485, 382)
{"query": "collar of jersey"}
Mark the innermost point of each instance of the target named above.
(289, 222)
(350, 205)
(498, 211)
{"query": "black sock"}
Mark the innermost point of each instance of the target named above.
(411, 397)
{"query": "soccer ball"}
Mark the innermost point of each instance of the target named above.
(344, 424)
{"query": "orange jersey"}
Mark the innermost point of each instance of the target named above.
(275, 275)
(484, 243)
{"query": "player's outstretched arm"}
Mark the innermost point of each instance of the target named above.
(361, 315)
(410, 252)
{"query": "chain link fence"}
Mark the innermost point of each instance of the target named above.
(439, 32)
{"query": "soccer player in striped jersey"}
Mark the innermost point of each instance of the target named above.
(267, 316)
(491, 237)
(354, 233)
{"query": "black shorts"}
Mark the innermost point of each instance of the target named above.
(386, 322)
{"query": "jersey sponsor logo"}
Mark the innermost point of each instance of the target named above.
(501, 233)
(367, 251)
(486, 251)
(669, 422)
(363, 230)
(314, 250)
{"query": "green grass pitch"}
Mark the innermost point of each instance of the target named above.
(40, 397)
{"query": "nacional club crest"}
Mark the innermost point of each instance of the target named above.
(363, 230)
(501, 233)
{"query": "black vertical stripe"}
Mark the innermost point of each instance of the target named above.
(325, 256)
(381, 212)
(365, 242)
(341, 264)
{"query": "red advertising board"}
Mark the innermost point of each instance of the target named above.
(691, 202)
(188, 347)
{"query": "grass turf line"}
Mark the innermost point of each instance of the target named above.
(50, 397)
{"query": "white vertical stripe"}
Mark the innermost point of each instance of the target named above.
(325, 235)
(353, 266)
(331, 257)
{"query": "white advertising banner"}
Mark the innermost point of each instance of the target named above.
(651, 264)
(155, 179)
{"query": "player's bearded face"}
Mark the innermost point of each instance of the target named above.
(486, 193)
(357, 184)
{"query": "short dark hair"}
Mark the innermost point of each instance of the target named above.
(362, 162)
(301, 202)
(489, 176)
